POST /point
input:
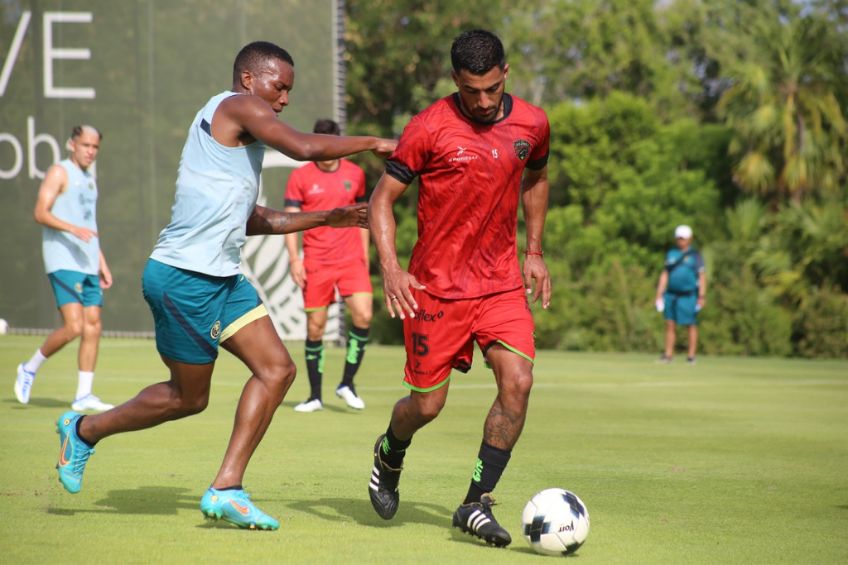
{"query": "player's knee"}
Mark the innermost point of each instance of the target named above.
(518, 386)
(428, 409)
(92, 328)
(73, 328)
(315, 326)
(196, 405)
(363, 319)
(314, 331)
(287, 371)
(182, 406)
(279, 375)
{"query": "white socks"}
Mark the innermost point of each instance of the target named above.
(34, 364)
(84, 384)
(85, 377)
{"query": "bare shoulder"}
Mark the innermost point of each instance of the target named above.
(56, 176)
(55, 182)
(237, 116)
(243, 106)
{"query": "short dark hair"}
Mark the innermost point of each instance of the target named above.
(76, 131)
(253, 55)
(477, 51)
(326, 126)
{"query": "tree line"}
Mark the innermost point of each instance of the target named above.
(727, 115)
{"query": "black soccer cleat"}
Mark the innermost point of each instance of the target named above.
(383, 488)
(476, 518)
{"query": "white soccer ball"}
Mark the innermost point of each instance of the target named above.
(4, 326)
(555, 522)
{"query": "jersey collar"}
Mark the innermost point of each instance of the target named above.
(507, 109)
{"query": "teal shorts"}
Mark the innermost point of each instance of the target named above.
(681, 308)
(194, 312)
(73, 286)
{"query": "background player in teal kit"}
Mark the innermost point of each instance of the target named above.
(194, 288)
(75, 265)
(332, 259)
(682, 292)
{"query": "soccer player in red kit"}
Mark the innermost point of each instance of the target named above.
(332, 259)
(476, 153)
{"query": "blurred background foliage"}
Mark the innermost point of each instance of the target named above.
(727, 115)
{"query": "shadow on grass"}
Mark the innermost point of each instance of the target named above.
(360, 511)
(518, 545)
(327, 407)
(157, 501)
(40, 403)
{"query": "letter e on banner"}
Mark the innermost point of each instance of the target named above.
(52, 53)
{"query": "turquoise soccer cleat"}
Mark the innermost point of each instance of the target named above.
(235, 507)
(73, 452)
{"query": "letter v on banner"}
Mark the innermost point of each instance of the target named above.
(14, 50)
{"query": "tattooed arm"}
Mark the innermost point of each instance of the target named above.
(265, 221)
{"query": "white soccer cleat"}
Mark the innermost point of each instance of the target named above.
(350, 397)
(309, 406)
(23, 384)
(90, 402)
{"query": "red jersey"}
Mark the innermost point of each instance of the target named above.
(309, 188)
(470, 183)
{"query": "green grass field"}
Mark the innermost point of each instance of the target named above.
(730, 461)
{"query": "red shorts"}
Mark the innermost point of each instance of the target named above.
(323, 280)
(441, 336)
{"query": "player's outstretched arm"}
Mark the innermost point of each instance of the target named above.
(396, 281)
(51, 187)
(265, 221)
(258, 119)
(534, 197)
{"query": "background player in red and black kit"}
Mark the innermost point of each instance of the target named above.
(476, 153)
(332, 259)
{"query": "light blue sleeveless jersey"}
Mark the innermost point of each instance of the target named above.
(217, 188)
(76, 205)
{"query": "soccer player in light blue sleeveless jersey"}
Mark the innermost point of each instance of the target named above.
(75, 265)
(192, 282)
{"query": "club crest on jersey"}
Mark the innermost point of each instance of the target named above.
(216, 330)
(522, 148)
(348, 185)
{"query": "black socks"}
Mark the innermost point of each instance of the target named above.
(76, 429)
(490, 465)
(357, 339)
(393, 449)
(315, 367)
